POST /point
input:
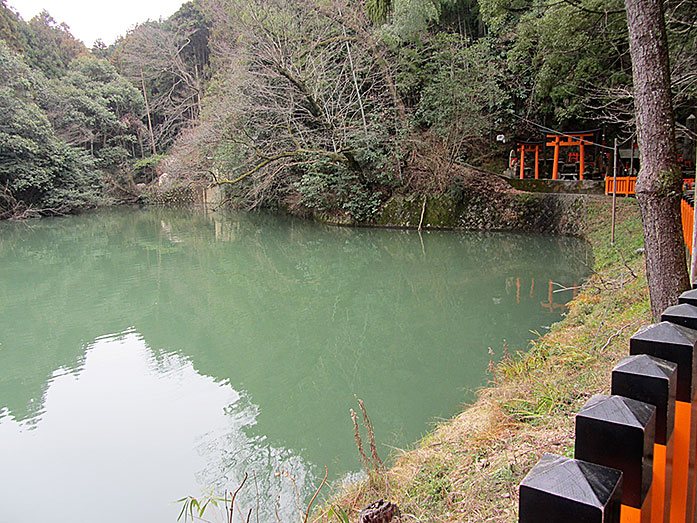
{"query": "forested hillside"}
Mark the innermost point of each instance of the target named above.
(70, 123)
(309, 105)
(333, 106)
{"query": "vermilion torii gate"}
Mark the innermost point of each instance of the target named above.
(579, 140)
(529, 147)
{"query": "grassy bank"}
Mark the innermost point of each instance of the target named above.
(468, 468)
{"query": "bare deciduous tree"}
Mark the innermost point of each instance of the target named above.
(314, 92)
(156, 58)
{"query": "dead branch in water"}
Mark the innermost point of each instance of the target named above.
(309, 506)
(423, 211)
(232, 501)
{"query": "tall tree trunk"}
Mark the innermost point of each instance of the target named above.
(355, 82)
(147, 110)
(659, 184)
(199, 88)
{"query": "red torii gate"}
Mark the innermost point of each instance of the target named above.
(529, 147)
(575, 139)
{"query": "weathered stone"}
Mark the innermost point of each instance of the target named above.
(380, 511)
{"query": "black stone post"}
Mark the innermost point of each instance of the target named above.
(619, 433)
(652, 380)
(564, 490)
(682, 314)
(689, 297)
(671, 342)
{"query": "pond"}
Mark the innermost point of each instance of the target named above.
(147, 355)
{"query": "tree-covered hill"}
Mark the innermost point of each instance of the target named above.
(71, 123)
(333, 106)
(327, 106)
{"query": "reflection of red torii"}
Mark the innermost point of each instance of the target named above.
(580, 140)
(549, 304)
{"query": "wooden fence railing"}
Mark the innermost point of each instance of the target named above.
(635, 449)
(625, 185)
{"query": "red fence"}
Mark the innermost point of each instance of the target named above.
(625, 185)
(687, 212)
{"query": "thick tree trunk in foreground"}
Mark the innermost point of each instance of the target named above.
(659, 184)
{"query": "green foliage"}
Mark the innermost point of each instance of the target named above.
(462, 17)
(70, 118)
(42, 165)
(112, 157)
(502, 15)
(194, 508)
(337, 514)
(192, 25)
(547, 401)
(50, 46)
(460, 88)
(378, 10)
(35, 166)
(412, 18)
(11, 29)
(325, 186)
(145, 168)
(76, 185)
(563, 59)
(431, 486)
(93, 107)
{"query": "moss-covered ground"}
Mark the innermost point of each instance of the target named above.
(468, 468)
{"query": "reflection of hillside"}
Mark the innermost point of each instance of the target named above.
(167, 432)
(299, 315)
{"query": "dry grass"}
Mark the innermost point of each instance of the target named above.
(468, 468)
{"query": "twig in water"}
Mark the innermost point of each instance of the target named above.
(561, 288)
(234, 495)
(256, 489)
(309, 506)
(275, 509)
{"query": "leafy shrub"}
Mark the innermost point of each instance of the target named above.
(145, 169)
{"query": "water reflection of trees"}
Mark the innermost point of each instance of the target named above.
(159, 466)
(300, 315)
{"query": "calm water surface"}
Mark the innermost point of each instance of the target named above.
(150, 355)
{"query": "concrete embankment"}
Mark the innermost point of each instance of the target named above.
(509, 211)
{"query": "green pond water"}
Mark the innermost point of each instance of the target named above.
(147, 355)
